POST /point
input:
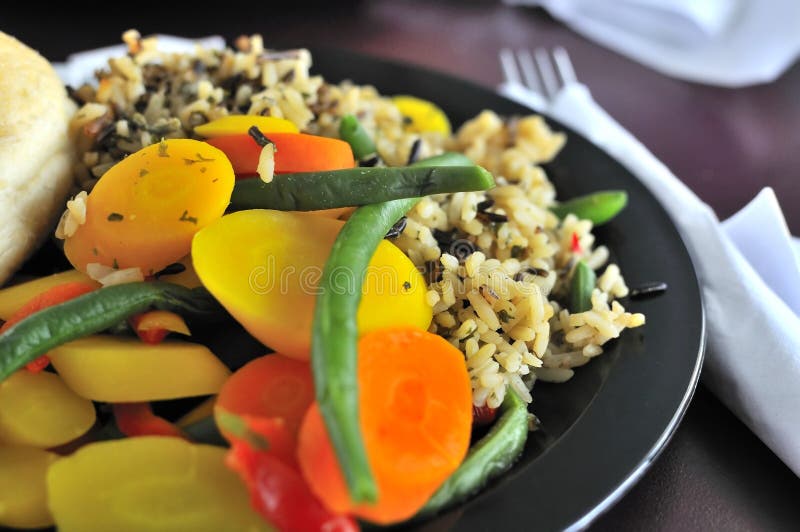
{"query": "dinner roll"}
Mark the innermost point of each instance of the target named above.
(35, 151)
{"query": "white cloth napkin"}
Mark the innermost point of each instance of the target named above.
(753, 358)
(731, 43)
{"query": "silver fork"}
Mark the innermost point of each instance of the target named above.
(543, 72)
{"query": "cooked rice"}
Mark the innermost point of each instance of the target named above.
(497, 263)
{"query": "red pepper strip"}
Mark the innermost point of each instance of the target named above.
(269, 434)
(153, 326)
(294, 152)
(483, 415)
(54, 296)
(576, 243)
(138, 419)
(279, 493)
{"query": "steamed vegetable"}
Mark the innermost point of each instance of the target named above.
(422, 116)
(23, 492)
(277, 489)
(493, 455)
(125, 370)
(239, 124)
(49, 298)
(93, 313)
(294, 152)
(153, 326)
(581, 287)
(14, 297)
(352, 132)
(415, 413)
(599, 207)
(38, 409)
(138, 419)
(264, 267)
(149, 484)
(126, 227)
(198, 413)
(359, 186)
(269, 386)
(334, 341)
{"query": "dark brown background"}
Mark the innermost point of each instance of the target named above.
(725, 144)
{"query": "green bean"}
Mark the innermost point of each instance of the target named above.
(448, 158)
(490, 457)
(599, 207)
(95, 312)
(311, 191)
(580, 288)
(334, 335)
(352, 132)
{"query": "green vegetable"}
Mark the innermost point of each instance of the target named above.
(352, 132)
(311, 191)
(599, 207)
(487, 459)
(334, 335)
(95, 312)
(580, 288)
(448, 158)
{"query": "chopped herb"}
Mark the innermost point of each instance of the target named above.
(260, 138)
(186, 218)
(143, 172)
(406, 286)
(492, 217)
(95, 252)
(115, 264)
(517, 251)
(203, 169)
(162, 148)
(215, 180)
(115, 217)
(407, 120)
(200, 159)
(504, 316)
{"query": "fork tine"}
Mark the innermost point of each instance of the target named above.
(564, 65)
(510, 71)
(546, 71)
(529, 71)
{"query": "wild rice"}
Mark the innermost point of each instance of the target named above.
(497, 263)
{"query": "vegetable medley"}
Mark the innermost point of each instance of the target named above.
(355, 412)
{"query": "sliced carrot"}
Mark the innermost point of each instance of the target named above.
(138, 419)
(415, 406)
(294, 152)
(272, 386)
(51, 297)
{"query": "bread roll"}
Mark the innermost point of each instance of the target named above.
(35, 152)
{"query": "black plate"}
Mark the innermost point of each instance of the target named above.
(602, 429)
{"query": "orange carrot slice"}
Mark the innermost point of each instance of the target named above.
(415, 406)
(294, 152)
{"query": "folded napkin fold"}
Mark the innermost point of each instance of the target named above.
(730, 43)
(753, 357)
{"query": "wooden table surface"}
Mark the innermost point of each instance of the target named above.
(724, 144)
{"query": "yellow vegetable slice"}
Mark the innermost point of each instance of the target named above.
(149, 484)
(39, 410)
(264, 266)
(239, 124)
(23, 490)
(162, 319)
(201, 411)
(144, 211)
(124, 370)
(422, 116)
(13, 297)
